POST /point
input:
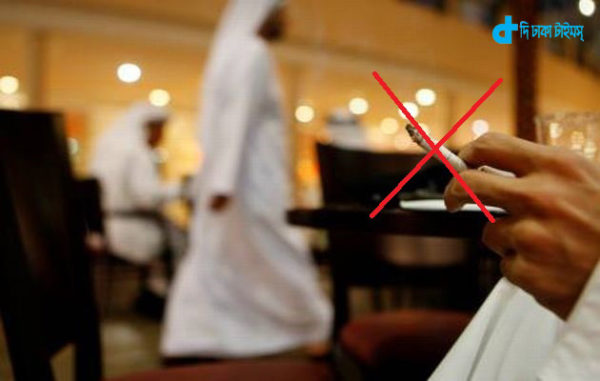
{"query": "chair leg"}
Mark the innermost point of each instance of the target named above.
(346, 367)
(341, 305)
(108, 287)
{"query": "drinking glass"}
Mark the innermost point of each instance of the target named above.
(578, 131)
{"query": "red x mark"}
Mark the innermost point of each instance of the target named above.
(434, 148)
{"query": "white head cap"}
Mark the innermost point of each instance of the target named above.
(127, 133)
(239, 24)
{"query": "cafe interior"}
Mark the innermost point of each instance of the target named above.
(400, 287)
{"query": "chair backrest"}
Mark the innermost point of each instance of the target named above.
(46, 297)
(357, 258)
(363, 177)
(88, 192)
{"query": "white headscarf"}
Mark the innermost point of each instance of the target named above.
(240, 22)
(128, 133)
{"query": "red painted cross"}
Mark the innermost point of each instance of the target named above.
(434, 148)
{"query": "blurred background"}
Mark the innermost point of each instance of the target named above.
(91, 59)
(66, 55)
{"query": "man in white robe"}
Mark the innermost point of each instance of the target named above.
(123, 162)
(344, 131)
(247, 285)
(542, 321)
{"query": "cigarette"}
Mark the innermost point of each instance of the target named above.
(454, 160)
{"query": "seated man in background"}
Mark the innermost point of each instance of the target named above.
(133, 193)
(548, 327)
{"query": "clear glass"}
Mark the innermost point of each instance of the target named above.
(578, 131)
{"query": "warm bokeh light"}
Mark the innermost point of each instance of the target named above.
(304, 114)
(389, 126)
(129, 72)
(480, 127)
(577, 140)
(590, 149)
(159, 97)
(555, 130)
(587, 7)
(358, 106)
(412, 108)
(9, 85)
(425, 97)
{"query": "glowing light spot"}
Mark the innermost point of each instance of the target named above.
(159, 97)
(412, 108)
(480, 127)
(129, 72)
(358, 106)
(9, 85)
(305, 114)
(425, 97)
(587, 7)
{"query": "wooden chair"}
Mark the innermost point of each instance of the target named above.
(46, 298)
(106, 265)
(407, 343)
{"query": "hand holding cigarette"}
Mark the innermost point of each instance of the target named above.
(549, 242)
(454, 160)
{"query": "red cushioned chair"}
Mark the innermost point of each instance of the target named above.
(405, 344)
(46, 297)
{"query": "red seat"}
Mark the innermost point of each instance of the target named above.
(259, 370)
(417, 339)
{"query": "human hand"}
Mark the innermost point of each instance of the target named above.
(219, 202)
(550, 242)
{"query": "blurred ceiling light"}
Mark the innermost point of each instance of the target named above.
(412, 108)
(358, 106)
(159, 97)
(480, 127)
(425, 97)
(304, 114)
(389, 126)
(9, 85)
(587, 7)
(129, 72)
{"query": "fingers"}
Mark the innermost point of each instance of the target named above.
(497, 236)
(518, 270)
(490, 189)
(526, 236)
(504, 152)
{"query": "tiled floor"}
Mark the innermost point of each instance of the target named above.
(130, 342)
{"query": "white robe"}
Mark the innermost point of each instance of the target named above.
(513, 338)
(130, 182)
(247, 285)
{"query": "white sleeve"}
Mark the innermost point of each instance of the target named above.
(576, 355)
(237, 114)
(144, 184)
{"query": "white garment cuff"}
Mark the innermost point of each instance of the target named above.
(576, 355)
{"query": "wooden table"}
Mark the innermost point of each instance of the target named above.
(390, 221)
(346, 219)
